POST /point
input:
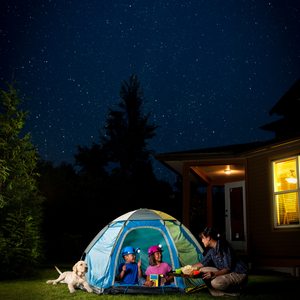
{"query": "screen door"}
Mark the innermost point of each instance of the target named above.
(235, 215)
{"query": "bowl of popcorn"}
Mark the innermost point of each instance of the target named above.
(188, 270)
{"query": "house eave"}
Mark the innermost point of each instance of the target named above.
(213, 162)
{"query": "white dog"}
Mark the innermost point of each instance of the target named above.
(75, 278)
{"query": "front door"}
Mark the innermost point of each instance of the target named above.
(235, 215)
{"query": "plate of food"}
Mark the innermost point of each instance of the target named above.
(186, 272)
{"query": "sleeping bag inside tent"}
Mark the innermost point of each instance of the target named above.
(142, 229)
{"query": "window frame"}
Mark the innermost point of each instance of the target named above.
(274, 193)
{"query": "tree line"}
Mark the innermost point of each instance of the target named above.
(53, 212)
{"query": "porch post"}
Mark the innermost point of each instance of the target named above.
(186, 195)
(209, 205)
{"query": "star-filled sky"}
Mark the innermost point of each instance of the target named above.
(211, 70)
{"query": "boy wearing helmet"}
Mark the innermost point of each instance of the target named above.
(129, 271)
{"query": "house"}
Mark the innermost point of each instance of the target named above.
(261, 187)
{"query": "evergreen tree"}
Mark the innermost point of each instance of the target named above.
(127, 131)
(64, 193)
(20, 199)
(124, 148)
(92, 161)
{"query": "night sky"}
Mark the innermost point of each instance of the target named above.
(211, 70)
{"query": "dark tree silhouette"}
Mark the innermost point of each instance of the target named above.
(92, 161)
(69, 196)
(125, 136)
(97, 195)
(123, 147)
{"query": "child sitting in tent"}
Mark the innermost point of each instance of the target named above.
(157, 267)
(129, 271)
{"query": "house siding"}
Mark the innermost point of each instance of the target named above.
(266, 246)
(265, 240)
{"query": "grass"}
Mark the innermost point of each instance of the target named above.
(35, 287)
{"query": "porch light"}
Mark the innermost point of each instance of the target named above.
(227, 171)
(291, 179)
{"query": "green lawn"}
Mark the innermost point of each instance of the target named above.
(35, 287)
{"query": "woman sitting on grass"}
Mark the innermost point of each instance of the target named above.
(229, 273)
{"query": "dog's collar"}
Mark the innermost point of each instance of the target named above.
(80, 276)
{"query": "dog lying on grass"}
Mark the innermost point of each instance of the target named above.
(75, 278)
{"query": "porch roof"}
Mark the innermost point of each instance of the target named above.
(208, 165)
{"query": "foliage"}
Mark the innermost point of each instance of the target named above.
(123, 141)
(21, 201)
(127, 130)
(122, 159)
(63, 211)
(116, 176)
(92, 161)
(75, 208)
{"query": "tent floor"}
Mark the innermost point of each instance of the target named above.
(143, 290)
(114, 290)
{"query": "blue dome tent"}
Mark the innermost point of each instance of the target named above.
(142, 229)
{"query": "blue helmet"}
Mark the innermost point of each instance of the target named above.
(129, 250)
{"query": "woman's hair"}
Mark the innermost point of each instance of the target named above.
(210, 232)
(223, 243)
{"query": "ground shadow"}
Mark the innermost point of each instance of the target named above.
(280, 287)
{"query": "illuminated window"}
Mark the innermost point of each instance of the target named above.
(286, 192)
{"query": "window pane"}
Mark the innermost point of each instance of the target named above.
(285, 175)
(287, 209)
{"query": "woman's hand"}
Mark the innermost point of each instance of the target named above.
(208, 275)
